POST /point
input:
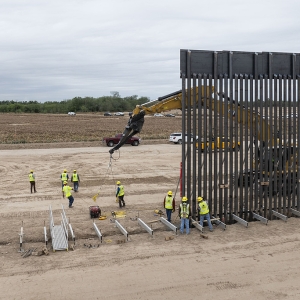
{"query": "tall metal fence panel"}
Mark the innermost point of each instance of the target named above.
(243, 108)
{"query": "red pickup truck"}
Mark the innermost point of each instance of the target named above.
(110, 141)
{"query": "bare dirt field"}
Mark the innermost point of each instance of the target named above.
(20, 129)
(259, 262)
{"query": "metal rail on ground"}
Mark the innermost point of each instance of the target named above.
(145, 226)
(122, 229)
(219, 223)
(260, 218)
(295, 212)
(197, 225)
(279, 215)
(98, 232)
(240, 220)
(67, 224)
(168, 224)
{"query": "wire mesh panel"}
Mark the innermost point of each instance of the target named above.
(243, 106)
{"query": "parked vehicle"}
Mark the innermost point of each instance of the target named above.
(158, 115)
(111, 141)
(119, 114)
(71, 113)
(107, 114)
(176, 138)
(170, 115)
(218, 143)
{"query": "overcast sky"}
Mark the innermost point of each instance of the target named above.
(56, 50)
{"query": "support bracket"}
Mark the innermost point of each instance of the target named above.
(170, 225)
(122, 229)
(260, 218)
(240, 220)
(197, 225)
(295, 212)
(145, 226)
(280, 216)
(97, 231)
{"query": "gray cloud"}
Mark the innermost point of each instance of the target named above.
(56, 50)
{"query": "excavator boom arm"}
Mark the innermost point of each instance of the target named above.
(174, 101)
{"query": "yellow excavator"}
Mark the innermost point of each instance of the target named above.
(274, 150)
(136, 120)
(174, 101)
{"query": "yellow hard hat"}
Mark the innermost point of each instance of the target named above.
(118, 182)
(74, 170)
(170, 193)
(65, 170)
(184, 199)
(199, 198)
(65, 182)
(31, 171)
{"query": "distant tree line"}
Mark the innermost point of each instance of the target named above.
(111, 103)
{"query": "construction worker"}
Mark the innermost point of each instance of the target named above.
(64, 177)
(120, 194)
(184, 214)
(203, 212)
(75, 179)
(66, 191)
(169, 205)
(32, 181)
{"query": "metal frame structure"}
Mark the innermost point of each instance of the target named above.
(59, 233)
(258, 93)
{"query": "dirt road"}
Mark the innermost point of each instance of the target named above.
(258, 262)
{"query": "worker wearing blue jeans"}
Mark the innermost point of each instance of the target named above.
(169, 205)
(203, 212)
(66, 192)
(184, 214)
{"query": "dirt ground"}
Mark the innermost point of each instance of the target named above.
(258, 262)
(19, 131)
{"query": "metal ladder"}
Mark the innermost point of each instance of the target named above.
(59, 233)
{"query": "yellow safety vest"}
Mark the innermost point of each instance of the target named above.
(203, 208)
(64, 176)
(67, 190)
(31, 177)
(169, 202)
(121, 190)
(184, 210)
(75, 177)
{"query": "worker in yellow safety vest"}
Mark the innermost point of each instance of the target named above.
(203, 212)
(169, 205)
(66, 191)
(120, 194)
(64, 177)
(184, 214)
(75, 179)
(32, 181)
